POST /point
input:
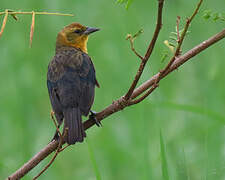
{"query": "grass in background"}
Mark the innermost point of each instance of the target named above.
(164, 164)
(93, 160)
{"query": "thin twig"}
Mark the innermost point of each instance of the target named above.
(148, 52)
(37, 13)
(62, 149)
(136, 101)
(13, 13)
(4, 22)
(56, 125)
(32, 28)
(178, 29)
(131, 39)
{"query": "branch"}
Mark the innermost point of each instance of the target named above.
(148, 52)
(180, 42)
(178, 29)
(32, 28)
(4, 22)
(33, 13)
(179, 61)
(176, 54)
(119, 104)
(58, 150)
(37, 13)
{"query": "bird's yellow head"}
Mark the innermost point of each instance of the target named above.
(75, 35)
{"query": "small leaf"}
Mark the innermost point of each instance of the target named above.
(169, 45)
(207, 14)
(165, 56)
(216, 16)
(126, 2)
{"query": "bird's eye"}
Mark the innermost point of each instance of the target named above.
(78, 31)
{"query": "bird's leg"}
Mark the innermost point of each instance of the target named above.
(93, 117)
(57, 133)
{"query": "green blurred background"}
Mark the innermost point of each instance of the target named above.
(188, 107)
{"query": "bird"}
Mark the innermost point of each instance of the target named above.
(71, 80)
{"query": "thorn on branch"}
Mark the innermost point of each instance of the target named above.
(13, 15)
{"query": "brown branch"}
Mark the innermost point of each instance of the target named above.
(148, 52)
(177, 52)
(4, 22)
(37, 13)
(13, 14)
(55, 123)
(180, 42)
(32, 28)
(178, 29)
(118, 104)
(136, 101)
(179, 61)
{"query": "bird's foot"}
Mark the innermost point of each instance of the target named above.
(56, 136)
(93, 117)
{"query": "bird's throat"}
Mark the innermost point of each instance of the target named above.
(79, 43)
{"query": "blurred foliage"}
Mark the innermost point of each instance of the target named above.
(215, 16)
(165, 172)
(126, 2)
(188, 107)
(172, 43)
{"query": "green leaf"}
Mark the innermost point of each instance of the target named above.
(126, 2)
(216, 16)
(207, 14)
(165, 56)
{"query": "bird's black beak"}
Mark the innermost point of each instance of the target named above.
(90, 30)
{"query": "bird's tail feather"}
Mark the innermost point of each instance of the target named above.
(73, 121)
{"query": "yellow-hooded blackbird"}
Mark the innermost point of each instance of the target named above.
(71, 80)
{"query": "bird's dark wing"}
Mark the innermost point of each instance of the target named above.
(71, 81)
(55, 72)
(88, 82)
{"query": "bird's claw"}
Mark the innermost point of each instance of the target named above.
(93, 117)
